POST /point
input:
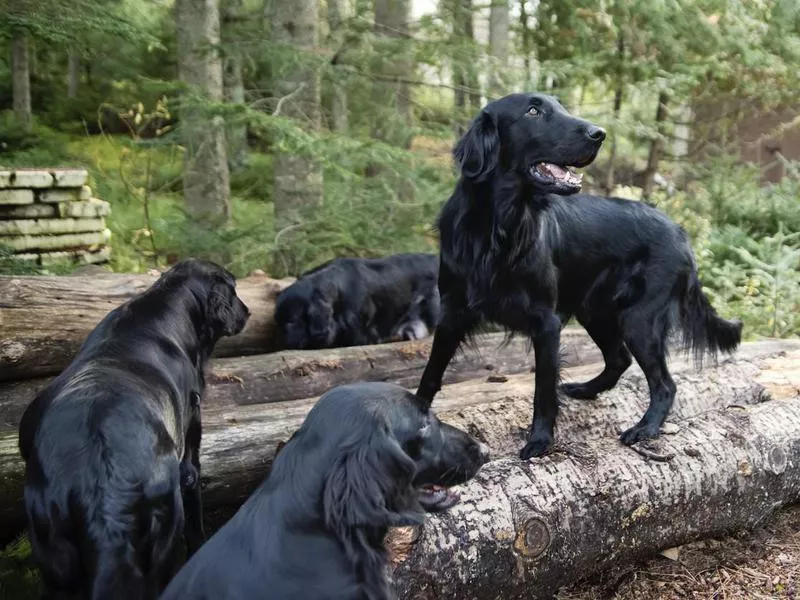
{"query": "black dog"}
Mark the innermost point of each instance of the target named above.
(108, 443)
(359, 301)
(315, 528)
(516, 252)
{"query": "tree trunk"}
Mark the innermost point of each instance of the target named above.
(240, 441)
(526, 41)
(298, 179)
(338, 13)
(391, 91)
(233, 82)
(73, 73)
(524, 529)
(498, 47)
(618, 94)
(21, 79)
(46, 319)
(296, 374)
(655, 147)
(465, 78)
(206, 178)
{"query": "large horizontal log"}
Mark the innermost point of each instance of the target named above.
(239, 441)
(523, 530)
(44, 320)
(295, 374)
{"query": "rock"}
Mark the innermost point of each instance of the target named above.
(53, 242)
(8, 196)
(30, 178)
(70, 178)
(54, 196)
(51, 226)
(85, 193)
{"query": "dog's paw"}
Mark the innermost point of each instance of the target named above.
(637, 433)
(536, 446)
(579, 391)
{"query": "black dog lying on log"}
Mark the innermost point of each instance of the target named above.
(359, 301)
(514, 251)
(363, 460)
(109, 443)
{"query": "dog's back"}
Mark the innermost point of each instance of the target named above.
(102, 488)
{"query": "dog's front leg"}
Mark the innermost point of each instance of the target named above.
(452, 330)
(546, 338)
(193, 531)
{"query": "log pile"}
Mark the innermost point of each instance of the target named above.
(49, 216)
(729, 456)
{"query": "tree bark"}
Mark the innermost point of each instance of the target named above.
(338, 13)
(239, 443)
(498, 47)
(73, 73)
(656, 147)
(233, 82)
(45, 319)
(465, 78)
(523, 530)
(298, 179)
(206, 178)
(392, 93)
(21, 79)
(618, 94)
(296, 374)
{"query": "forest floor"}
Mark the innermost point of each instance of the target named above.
(756, 564)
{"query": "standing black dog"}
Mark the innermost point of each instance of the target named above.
(515, 251)
(109, 442)
(368, 457)
(359, 301)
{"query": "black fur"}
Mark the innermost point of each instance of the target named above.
(111, 445)
(516, 251)
(315, 527)
(358, 301)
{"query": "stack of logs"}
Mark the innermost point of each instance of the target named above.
(49, 216)
(730, 455)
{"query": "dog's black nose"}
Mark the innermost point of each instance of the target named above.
(596, 134)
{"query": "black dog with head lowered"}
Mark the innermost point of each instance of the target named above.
(516, 251)
(363, 460)
(359, 301)
(109, 442)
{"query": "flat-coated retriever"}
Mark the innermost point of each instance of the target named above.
(359, 301)
(111, 446)
(363, 460)
(516, 251)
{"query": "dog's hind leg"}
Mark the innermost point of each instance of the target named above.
(646, 339)
(608, 337)
(193, 532)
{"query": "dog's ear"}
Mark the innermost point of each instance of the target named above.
(370, 486)
(221, 309)
(477, 153)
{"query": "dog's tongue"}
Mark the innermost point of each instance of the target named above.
(435, 498)
(554, 171)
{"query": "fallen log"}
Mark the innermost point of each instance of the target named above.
(294, 374)
(523, 530)
(44, 320)
(239, 441)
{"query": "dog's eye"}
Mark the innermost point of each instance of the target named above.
(533, 112)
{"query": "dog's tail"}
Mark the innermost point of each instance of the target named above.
(704, 331)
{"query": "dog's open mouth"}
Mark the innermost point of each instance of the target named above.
(553, 174)
(435, 498)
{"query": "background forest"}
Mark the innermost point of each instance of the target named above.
(276, 134)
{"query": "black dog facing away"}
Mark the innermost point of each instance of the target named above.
(368, 456)
(516, 251)
(359, 301)
(111, 446)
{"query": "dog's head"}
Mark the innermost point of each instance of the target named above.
(305, 317)
(533, 135)
(214, 289)
(392, 459)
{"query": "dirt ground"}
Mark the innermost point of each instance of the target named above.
(759, 564)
